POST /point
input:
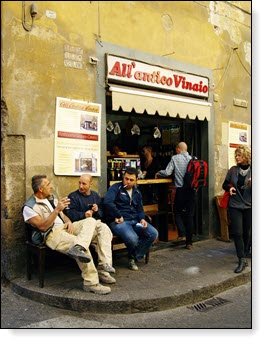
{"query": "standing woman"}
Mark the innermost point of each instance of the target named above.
(238, 183)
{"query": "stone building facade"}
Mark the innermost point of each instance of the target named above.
(46, 53)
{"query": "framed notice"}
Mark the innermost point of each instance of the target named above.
(238, 135)
(77, 137)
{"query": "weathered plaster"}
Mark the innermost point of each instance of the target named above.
(247, 50)
(222, 17)
(42, 148)
(189, 33)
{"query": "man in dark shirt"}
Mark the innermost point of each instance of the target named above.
(84, 203)
(184, 203)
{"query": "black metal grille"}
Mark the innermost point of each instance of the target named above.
(209, 304)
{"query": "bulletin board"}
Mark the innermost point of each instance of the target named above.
(77, 137)
(238, 134)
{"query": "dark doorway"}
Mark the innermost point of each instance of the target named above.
(193, 132)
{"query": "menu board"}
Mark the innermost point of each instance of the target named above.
(77, 137)
(238, 134)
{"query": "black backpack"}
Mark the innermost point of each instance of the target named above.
(196, 174)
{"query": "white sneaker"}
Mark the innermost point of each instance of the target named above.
(97, 289)
(106, 278)
(106, 267)
(132, 265)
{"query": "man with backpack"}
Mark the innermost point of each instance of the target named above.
(184, 203)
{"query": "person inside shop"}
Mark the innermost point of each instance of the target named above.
(116, 150)
(238, 183)
(86, 203)
(149, 164)
(44, 213)
(149, 167)
(125, 215)
(184, 201)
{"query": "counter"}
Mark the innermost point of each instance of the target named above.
(146, 181)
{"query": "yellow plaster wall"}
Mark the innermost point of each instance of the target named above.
(203, 33)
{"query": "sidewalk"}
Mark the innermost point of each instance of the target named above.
(173, 277)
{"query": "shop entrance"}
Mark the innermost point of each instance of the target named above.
(123, 133)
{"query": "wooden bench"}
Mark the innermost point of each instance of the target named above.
(159, 219)
(41, 251)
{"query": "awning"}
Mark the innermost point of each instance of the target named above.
(143, 100)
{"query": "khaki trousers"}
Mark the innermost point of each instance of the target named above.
(85, 231)
(102, 241)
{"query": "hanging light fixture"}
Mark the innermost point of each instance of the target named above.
(135, 130)
(157, 133)
(117, 129)
(110, 126)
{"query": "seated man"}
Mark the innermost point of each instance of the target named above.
(59, 233)
(126, 217)
(85, 203)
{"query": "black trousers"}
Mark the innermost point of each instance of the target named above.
(184, 209)
(241, 224)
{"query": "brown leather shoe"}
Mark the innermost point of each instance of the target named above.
(189, 247)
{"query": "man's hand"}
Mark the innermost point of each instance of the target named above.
(143, 223)
(232, 191)
(62, 204)
(89, 213)
(69, 227)
(119, 220)
(95, 207)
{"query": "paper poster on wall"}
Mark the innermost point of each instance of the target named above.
(77, 137)
(238, 135)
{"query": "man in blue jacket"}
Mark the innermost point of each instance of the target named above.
(125, 215)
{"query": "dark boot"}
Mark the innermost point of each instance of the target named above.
(241, 265)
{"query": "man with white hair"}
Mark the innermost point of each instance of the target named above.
(44, 213)
(184, 203)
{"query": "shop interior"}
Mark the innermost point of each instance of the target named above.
(131, 131)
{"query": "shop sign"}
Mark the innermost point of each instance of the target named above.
(128, 71)
(73, 56)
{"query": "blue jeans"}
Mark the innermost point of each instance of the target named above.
(137, 240)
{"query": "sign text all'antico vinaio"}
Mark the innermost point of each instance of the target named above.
(143, 74)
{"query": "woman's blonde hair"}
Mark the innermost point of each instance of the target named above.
(245, 152)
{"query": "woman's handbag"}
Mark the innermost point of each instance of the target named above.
(224, 201)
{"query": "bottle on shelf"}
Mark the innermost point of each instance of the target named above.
(117, 165)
